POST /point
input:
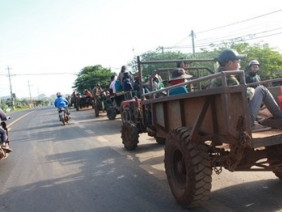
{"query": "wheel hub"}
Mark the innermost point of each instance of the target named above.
(180, 170)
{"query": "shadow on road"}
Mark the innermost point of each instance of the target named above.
(110, 181)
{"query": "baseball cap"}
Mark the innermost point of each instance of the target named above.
(229, 55)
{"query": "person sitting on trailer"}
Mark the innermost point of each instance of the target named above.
(178, 76)
(229, 60)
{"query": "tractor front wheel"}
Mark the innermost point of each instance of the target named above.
(129, 135)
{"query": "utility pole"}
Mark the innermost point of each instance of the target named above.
(30, 99)
(11, 91)
(193, 41)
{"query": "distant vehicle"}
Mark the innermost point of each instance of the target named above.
(114, 106)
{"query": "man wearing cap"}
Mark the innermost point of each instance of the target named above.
(229, 60)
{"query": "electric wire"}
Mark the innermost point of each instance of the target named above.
(239, 22)
(238, 35)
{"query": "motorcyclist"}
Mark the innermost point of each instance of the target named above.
(4, 131)
(61, 102)
(253, 73)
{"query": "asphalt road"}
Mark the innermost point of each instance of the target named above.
(83, 167)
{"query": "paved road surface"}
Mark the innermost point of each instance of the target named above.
(84, 167)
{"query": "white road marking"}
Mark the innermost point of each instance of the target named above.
(9, 125)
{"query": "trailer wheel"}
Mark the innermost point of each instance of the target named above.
(77, 104)
(188, 168)
(96, 109)
(275, 160)
(278, 174)
(111, 113)
(129, 135)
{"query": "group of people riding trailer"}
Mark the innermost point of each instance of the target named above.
(207, 123)
(122, 86)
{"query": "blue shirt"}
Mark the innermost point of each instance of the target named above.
(61, 102)
(178, 90)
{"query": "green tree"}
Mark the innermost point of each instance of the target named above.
(156, 55)
(89, 76)
(270, 59)
(173, 55)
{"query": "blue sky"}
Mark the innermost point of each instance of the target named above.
(63, 36)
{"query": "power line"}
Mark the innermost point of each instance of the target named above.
(227, 25)
(238, 22)
(226, 41)
(251, 35)
(224, 26)
(29, 74)
(237, 35)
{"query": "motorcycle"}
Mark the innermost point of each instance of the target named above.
(5, 150)
(63, 116)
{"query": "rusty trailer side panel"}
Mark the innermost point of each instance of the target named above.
(222, 112)
(218, 114)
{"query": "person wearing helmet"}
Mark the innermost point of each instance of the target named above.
(61, 102)
(229, 60)
(253, 72)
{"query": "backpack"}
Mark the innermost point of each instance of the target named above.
(127, 86)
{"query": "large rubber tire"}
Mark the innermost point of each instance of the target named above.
(102, 106)
(96, 110)
(126, 115)
(275, 159)
(129, 135)
(66, 118)
(188, 168)
(278, 174)
(111, 113)
(63, 121)
(77, 104)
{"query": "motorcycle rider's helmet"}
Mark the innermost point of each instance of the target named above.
(58, 94)
(253, 62)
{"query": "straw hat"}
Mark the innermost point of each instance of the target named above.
(179, 73)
